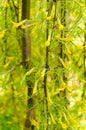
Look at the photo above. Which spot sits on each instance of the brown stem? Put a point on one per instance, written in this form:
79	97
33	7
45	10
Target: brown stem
26	56
84	61
47	58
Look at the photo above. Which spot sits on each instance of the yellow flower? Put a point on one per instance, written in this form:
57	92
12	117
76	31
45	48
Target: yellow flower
67	39
16	25
80	46
35	123
24	27
61	27
47	43
69	51
64	126
2	33
48	18
5	5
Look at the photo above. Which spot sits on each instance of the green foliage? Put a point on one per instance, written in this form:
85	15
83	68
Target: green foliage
65	76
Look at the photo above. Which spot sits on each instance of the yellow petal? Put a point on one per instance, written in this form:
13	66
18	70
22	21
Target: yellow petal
43	73
80	46
61	27
47	43
24	27
2	33
64	126
7	64
69	52
63	63
49	18
29	72
35	87
67	39
35	123
5	5
16	25
49	99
